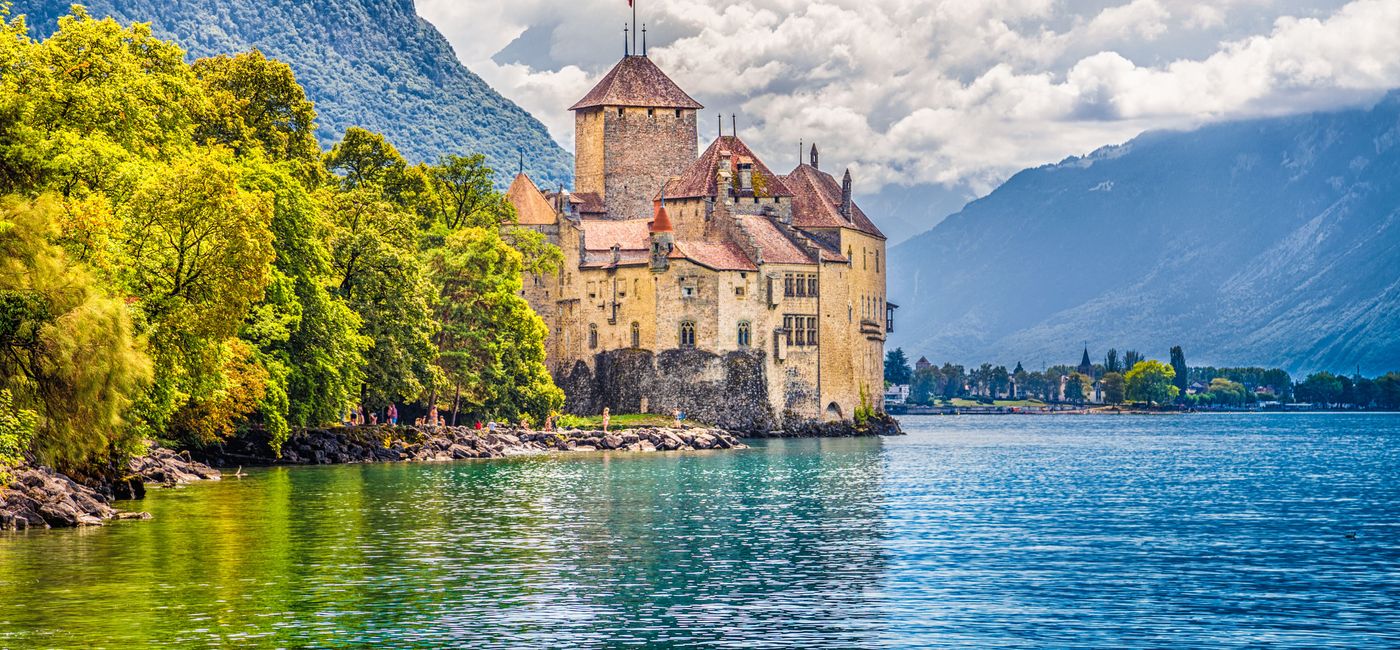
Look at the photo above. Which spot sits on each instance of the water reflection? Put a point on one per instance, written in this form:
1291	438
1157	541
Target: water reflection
779	544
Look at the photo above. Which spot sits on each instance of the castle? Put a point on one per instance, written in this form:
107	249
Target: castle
703	282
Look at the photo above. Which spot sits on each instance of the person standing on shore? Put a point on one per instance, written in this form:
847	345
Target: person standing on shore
393	415
433	417
607	419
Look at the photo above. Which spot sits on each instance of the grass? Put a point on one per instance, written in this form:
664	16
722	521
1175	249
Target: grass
618	421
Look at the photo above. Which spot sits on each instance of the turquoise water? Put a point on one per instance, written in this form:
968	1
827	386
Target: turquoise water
1220	530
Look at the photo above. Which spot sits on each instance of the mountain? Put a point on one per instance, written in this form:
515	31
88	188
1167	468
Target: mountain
1266	242
369	63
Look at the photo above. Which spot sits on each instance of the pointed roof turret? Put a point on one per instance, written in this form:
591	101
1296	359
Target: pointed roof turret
662	221
531	206
636	81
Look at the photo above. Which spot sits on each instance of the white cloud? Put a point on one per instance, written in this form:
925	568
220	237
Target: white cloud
958	92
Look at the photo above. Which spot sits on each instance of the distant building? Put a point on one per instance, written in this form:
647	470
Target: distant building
897	394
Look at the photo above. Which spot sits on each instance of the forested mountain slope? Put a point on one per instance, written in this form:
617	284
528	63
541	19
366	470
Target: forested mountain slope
369	63
1265	242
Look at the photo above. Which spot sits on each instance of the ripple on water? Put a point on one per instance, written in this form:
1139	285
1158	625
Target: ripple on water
1010	531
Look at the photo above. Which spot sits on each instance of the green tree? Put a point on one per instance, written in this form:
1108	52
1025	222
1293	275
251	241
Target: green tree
897	370
1323	388
68	350
1152	382
1183	372
1224	391
256	104
491	344
1077	387
17	427
463	194
1388	391
1114	388
1110	362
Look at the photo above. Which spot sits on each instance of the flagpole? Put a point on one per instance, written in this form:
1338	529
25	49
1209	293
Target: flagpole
634	24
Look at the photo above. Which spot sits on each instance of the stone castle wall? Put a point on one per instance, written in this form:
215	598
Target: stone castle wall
727	390
639	149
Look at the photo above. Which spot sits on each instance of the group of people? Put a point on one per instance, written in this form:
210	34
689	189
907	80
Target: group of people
355	416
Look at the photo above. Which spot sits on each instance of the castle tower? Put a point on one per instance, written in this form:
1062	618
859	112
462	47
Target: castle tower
632	132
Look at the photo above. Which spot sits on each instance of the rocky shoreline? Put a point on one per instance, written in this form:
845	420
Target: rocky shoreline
381	443
40	497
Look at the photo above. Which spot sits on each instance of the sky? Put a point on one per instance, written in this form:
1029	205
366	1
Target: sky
932	103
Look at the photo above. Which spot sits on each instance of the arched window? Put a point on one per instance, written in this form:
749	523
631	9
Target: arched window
687	334
745	334
636	335
592	336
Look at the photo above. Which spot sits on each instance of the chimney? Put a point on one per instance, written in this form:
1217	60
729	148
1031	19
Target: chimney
814	156
725	176
745	177
846	195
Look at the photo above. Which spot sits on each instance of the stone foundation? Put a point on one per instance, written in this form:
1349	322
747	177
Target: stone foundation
728	391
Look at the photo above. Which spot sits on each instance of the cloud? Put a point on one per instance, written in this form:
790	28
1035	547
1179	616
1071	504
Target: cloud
956	92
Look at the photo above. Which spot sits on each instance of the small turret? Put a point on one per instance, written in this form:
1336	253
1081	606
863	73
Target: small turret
724	180
846	195
814	156
662	238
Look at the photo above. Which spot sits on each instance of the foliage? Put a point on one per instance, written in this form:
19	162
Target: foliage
1322	388
1183	372
1115	388
897	370
864	411
68	351
178	261
1224	391
1151	381
17	427
1077	387
491	345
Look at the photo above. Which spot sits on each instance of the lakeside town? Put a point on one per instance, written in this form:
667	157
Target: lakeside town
1124	383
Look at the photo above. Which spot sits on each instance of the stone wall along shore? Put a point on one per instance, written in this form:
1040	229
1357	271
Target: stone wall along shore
382	443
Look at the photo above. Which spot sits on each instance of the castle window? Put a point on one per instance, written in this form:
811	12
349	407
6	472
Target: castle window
592	336
800	285
651	112
636	335
619	111
787	329
687	334
787	285
678	113
811	330
799	337
877	261
745	334
687	292
812	285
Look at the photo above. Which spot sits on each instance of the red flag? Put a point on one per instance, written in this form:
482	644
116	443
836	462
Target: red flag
629	3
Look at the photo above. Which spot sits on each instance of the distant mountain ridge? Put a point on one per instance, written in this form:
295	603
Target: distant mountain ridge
1264	242
369	63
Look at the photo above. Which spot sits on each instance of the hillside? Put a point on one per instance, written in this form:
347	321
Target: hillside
369	63
1272	242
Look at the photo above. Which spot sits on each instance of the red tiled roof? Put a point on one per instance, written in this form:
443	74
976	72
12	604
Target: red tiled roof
720	256
817	202
773	246
589	203
531	206
699	179
636	81
602	234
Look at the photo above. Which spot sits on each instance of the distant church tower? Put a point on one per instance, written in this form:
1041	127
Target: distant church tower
632	132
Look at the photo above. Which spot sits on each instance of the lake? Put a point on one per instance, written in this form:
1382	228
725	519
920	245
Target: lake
1050	531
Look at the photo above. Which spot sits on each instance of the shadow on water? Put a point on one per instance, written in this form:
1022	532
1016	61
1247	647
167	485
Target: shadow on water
778	544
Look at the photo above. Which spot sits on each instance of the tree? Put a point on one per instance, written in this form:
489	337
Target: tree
1131	358
463	194
1152	382
1183	373
897	370
68	350
1077	387
1114	388
256	103
491	344
1224	391
1388	391
1110	363
1323	388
